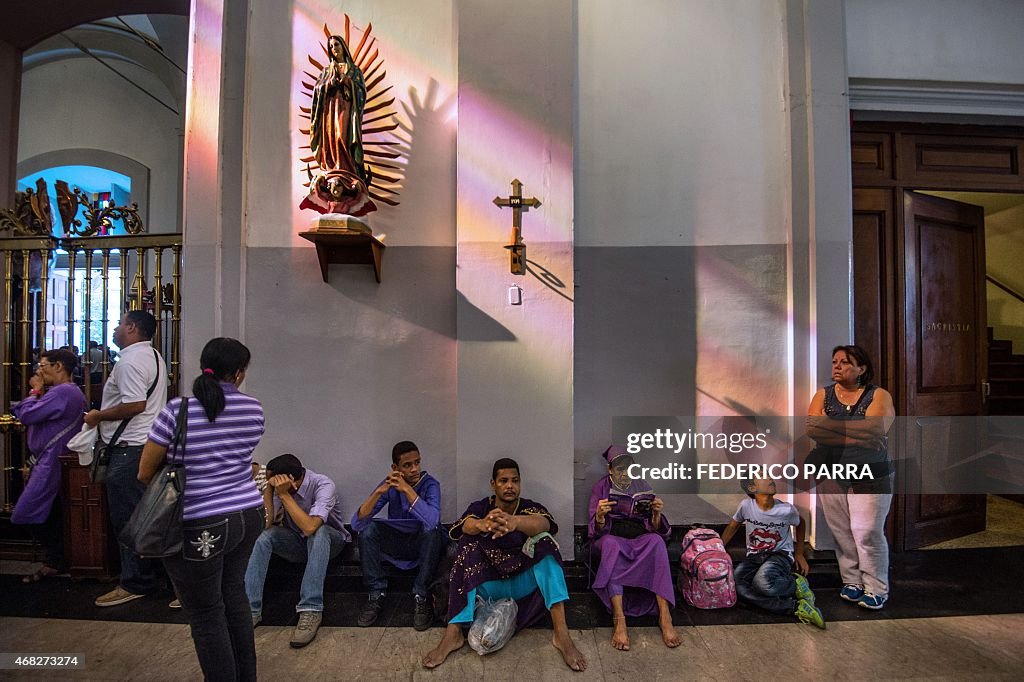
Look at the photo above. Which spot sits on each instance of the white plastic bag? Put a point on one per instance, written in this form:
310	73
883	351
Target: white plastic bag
83	443
494	623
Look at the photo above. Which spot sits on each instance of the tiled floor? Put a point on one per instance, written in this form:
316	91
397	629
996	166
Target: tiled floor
956	615
957	648
1004	527
925	584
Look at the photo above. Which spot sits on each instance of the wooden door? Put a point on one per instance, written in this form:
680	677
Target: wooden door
943	370
875	289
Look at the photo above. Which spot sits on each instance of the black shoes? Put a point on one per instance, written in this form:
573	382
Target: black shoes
423	616
371	609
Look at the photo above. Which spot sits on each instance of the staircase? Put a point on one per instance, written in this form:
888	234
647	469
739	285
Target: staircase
1006	377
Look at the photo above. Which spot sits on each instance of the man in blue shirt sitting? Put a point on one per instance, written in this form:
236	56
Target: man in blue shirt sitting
411	536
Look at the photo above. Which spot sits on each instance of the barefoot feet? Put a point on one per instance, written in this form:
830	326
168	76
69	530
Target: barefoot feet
620	636
570	654
668	633
452	640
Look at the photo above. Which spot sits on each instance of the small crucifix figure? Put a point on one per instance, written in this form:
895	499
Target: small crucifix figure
518	203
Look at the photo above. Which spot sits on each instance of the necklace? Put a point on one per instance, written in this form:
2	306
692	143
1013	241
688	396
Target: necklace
842	402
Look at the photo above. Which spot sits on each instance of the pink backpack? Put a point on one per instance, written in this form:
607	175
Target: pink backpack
705	575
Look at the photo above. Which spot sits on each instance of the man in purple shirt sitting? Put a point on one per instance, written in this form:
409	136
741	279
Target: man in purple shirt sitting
410	537
311	531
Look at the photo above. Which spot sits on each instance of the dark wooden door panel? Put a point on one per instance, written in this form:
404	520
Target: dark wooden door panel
874	281
942	517
90	548
944	345
944	255
948	261
949	162
892	157
871	155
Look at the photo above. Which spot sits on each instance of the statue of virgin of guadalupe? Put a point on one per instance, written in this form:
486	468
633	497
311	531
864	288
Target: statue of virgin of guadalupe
335	136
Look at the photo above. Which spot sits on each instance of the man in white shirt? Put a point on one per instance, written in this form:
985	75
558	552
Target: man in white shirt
136	391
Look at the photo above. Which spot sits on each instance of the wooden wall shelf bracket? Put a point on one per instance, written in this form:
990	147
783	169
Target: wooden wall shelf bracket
346	248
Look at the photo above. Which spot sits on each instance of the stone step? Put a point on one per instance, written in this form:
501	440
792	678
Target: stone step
1006	370
1006	387
1000	354
1006	405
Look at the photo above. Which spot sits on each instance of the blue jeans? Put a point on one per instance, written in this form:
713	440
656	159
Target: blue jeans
124	491
767	581
208	576
315	551
422	548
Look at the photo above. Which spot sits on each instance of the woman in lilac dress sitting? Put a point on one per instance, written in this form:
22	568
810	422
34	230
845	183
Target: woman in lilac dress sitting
629	535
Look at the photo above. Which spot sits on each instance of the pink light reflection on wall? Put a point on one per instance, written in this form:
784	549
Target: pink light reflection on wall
514	145
742	341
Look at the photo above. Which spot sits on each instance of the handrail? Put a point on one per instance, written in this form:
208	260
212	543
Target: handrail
132	241
1005	288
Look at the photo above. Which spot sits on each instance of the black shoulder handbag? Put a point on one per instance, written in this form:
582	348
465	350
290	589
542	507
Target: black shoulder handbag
154	529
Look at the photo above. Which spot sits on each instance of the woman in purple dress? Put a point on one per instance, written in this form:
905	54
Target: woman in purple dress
629	534
53	414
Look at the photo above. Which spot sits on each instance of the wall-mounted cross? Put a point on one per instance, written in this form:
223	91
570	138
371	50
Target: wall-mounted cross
518	203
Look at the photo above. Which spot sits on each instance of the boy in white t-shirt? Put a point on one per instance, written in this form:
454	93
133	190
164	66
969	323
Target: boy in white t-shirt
766	577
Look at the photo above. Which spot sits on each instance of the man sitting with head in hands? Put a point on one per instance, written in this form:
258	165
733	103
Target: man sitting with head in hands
506	551
312	532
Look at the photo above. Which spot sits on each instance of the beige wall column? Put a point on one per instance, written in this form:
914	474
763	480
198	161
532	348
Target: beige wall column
820	279
212	297
515	362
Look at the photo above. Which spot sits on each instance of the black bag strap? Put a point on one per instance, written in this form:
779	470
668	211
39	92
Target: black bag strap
124	422
180	432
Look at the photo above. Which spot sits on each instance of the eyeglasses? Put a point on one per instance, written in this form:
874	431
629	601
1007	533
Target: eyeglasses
46	364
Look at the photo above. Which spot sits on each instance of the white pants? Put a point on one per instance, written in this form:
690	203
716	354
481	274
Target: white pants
857	522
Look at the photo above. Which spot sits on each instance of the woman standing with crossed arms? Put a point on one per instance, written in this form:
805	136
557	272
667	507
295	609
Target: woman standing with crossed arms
849	420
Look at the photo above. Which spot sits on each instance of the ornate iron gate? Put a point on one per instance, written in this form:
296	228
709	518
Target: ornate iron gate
68	292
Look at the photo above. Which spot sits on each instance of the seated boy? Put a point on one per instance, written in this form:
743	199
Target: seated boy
766	577
410	537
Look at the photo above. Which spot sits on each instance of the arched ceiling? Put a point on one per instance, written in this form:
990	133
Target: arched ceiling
28	23
113	42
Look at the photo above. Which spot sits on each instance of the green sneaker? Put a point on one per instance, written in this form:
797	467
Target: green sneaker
807	613
803	589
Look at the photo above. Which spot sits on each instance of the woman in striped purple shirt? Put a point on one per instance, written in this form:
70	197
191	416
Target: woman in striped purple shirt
222	512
